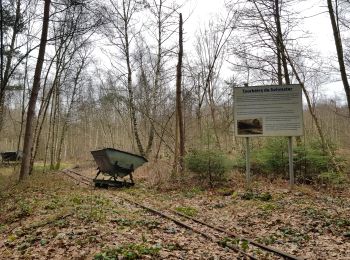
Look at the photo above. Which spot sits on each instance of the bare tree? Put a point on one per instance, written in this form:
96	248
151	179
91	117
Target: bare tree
119	33
161	29
72	32
333	9
28	136
279	46
15	22
179	126
210	49
74	91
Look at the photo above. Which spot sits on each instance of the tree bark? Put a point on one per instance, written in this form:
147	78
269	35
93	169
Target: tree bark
28	136
157	76
126	19
2	86
179	156
68	115
282	61
340	52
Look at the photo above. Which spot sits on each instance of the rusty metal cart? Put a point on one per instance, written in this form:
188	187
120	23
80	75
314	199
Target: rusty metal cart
116	164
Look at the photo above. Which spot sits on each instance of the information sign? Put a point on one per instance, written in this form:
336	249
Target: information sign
268	111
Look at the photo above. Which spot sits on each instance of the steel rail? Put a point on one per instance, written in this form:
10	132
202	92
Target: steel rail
182	224
80	175
233	235
82	180
164	215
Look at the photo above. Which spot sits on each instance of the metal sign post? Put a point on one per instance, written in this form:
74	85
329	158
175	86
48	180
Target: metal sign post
247	158
291	168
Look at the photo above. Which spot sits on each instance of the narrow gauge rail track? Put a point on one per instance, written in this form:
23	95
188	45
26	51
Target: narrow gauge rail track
80	178
196	225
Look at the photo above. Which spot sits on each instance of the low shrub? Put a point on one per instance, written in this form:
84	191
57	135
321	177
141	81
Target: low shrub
333	178
309	160
189	211
208	164
272	157
129	251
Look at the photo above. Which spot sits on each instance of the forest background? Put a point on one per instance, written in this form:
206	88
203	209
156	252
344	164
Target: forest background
110	70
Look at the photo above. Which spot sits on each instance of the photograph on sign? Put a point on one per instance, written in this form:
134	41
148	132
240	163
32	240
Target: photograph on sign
268	111
250	126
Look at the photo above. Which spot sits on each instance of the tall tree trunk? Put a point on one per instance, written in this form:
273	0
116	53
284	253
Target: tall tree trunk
157	77
340	52
129	83
2	85
23	110
150	103
280	45
282	60
210	93
48	136
180	142
68	115
39	127
28	136
55	125
42	116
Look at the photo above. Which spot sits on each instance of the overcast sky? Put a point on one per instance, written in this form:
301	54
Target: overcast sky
315	11
316	22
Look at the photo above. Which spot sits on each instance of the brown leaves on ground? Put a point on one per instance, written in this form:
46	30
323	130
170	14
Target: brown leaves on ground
50	217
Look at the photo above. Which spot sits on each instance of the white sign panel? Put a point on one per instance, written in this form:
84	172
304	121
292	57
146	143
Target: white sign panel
268	111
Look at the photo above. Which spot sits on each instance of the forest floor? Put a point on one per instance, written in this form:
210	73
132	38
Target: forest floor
49	216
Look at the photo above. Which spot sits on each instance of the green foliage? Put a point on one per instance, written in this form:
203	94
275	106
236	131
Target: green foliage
208	164
249	195
189	211
129	251
224	242
293	234
2	227
77	199
268	240
265	196
273	156
54	203
242	243
239	162
341	222
149	224
268	207
309	160
91	208
333	178
191	193
24	209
